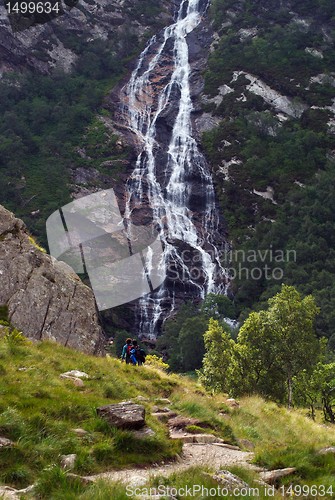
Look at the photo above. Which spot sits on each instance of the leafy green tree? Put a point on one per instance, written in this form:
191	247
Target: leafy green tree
306	391
216	306
191	343
217	362
167	344
256	368
318	389
281	341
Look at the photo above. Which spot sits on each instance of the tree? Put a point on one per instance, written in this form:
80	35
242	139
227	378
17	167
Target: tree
217	362
281	342
168	343
318	388
191	343
256	368
218	306
306	391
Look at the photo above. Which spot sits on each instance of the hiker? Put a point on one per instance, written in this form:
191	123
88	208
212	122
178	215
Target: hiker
137	355
126	351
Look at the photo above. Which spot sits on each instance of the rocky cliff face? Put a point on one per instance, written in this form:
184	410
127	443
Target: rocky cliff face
45	298
57	44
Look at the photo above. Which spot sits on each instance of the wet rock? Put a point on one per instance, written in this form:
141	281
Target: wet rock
125	415
45	298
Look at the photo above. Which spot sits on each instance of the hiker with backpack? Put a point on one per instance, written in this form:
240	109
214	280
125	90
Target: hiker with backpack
137	355
125	356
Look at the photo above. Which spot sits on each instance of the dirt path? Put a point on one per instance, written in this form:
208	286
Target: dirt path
215	456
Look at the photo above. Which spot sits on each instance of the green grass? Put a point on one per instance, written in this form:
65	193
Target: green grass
284	438
39	410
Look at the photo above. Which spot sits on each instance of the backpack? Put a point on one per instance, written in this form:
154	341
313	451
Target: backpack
142	355
129	348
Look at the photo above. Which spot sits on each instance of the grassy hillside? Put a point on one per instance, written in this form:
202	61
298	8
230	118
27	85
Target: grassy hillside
39	412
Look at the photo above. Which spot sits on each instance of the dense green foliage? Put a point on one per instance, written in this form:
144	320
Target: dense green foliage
46	119
182	342
316	389
272	347
292	155
41	121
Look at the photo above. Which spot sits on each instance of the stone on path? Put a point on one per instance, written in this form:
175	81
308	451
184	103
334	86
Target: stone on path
271	476
125	415
229	480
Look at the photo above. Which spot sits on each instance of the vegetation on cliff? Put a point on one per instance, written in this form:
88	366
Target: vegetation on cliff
270	81
47	119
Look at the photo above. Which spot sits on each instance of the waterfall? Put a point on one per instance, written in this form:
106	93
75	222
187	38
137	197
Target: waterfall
171	177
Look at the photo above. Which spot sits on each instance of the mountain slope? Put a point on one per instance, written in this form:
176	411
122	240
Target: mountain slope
270	85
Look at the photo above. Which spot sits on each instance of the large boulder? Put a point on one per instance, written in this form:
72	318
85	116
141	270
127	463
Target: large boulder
125	415
45	298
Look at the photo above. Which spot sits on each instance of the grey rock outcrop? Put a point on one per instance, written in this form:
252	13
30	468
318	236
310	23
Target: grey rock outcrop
45	47
125	415
45	298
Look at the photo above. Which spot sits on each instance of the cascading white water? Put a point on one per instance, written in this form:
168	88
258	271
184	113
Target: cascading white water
160	82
